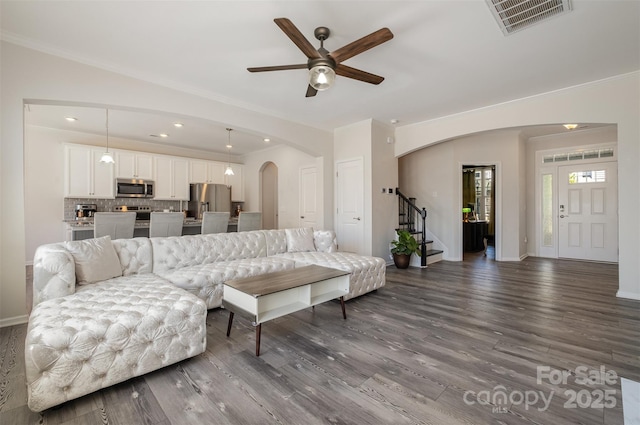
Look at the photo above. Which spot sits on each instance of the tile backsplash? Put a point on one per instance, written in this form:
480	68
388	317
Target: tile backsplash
109	204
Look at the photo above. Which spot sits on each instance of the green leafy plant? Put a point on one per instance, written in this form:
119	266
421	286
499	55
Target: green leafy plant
406	244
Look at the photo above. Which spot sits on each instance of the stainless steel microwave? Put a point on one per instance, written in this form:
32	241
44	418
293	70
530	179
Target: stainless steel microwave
133	188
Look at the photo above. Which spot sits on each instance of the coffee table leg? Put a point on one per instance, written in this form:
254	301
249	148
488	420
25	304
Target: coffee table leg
258	330
344	312
230	322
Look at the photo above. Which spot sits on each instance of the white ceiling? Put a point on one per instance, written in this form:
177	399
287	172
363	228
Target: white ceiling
446	57
195	133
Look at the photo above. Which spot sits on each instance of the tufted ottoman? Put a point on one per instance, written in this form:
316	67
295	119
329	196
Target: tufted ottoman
106	333
367	273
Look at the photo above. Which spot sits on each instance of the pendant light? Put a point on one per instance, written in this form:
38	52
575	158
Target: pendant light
229	170
106	157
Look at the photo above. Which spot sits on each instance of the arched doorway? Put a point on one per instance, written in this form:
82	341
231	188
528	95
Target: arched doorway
269	195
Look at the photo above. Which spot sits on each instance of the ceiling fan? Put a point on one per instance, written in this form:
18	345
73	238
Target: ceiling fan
324	65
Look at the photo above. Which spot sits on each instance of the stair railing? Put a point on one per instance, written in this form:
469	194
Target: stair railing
413	219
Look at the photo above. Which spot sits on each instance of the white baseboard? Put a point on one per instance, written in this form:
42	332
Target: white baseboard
10	321
628	295
511	259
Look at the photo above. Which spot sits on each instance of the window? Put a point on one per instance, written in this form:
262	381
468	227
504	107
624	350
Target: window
578	155
547	209
578	177
483	182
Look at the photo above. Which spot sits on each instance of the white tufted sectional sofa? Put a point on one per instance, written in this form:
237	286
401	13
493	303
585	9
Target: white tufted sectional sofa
84	336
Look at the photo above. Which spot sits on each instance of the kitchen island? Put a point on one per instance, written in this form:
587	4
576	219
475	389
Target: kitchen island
79	230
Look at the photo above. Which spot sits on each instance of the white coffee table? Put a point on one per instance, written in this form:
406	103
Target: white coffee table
273	295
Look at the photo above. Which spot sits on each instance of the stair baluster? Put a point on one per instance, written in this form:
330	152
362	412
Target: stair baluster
413	219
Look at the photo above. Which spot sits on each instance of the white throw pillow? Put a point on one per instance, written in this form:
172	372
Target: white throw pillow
300	240
325	241
96	260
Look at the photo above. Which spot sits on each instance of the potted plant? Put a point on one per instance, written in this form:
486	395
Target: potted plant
403	247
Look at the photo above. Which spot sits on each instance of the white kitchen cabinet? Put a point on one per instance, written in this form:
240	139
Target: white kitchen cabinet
206	172
171	175
85	176
134	165
236	182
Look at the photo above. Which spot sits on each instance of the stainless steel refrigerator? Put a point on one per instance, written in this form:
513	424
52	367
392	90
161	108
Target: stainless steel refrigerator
208	197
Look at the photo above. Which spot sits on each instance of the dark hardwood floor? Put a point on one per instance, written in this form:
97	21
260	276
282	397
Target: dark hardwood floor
431	347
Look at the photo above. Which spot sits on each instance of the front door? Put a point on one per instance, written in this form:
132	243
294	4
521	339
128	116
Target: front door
588	211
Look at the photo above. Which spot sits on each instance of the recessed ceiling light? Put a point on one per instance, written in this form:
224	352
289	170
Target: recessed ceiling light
570	126
71	119
178	124
395	121
229	146
266	140
163	135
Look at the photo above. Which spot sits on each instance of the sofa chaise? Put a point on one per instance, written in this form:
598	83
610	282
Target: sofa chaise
108	310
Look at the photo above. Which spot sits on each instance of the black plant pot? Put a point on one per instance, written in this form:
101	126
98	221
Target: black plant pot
401	260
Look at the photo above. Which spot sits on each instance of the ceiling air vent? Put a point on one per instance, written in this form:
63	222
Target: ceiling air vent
515	15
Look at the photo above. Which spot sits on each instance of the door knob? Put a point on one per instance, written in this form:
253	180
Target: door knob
563	216
301	216
356	218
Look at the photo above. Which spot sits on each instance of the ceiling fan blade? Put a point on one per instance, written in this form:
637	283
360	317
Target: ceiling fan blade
357	74
296	36
277	68
311	91
362	45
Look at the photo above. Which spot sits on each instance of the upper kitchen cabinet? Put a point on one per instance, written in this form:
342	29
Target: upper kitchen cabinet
206	172
85	176
134	165
171	175
236	182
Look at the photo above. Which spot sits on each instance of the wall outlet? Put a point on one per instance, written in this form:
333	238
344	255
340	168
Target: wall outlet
384	190
391	190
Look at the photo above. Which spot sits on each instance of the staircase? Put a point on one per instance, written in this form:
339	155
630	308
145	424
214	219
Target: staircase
414	219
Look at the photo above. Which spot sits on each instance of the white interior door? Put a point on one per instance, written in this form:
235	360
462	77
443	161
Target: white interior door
588	211
308	197
350	205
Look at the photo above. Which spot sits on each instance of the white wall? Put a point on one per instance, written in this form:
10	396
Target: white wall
384	174
289	161
522	197
614	101
44	185
28	75
434	177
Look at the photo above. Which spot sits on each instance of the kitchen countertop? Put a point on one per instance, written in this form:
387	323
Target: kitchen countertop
88	224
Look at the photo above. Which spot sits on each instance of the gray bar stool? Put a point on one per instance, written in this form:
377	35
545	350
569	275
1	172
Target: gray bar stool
118	225
214	222
249	221
166	224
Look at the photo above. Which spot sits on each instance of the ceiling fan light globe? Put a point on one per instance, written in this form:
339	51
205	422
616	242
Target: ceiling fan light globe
321	77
